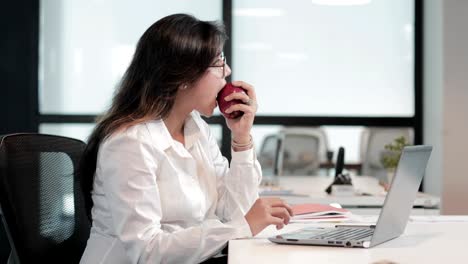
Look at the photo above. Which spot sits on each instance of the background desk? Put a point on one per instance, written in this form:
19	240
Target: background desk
311	189
422	242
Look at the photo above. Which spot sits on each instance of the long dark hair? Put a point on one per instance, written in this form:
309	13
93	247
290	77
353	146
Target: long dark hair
173	52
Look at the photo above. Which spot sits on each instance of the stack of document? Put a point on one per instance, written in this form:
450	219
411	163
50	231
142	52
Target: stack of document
319	213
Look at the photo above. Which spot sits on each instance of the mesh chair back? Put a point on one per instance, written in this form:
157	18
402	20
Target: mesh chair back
319	132
300	154
41	197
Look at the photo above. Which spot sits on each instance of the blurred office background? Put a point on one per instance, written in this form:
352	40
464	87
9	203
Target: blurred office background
344	69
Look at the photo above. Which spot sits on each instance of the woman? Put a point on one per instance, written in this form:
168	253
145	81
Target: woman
159	188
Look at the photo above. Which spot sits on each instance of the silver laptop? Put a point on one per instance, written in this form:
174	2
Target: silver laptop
393	217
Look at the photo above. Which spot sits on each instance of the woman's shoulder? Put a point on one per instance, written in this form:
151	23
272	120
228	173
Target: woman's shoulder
132	145
137	134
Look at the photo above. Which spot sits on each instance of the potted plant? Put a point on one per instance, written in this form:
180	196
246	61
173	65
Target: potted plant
390	157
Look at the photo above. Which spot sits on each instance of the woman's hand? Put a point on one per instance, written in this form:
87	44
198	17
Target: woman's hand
240	127
268	211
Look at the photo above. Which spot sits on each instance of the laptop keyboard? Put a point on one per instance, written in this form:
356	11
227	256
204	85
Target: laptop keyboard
344	234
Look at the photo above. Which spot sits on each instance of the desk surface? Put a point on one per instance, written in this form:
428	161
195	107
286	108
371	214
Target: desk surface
310	189
424	241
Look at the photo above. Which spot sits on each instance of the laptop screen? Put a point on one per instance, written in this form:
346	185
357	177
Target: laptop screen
403	190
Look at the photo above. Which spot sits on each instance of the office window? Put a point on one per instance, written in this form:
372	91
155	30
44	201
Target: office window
307	61
311	59
85	47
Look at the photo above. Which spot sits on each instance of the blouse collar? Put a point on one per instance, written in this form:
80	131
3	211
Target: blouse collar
163	139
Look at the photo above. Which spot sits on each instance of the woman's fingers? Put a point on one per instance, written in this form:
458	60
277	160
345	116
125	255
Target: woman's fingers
279	208
276	201
283	204
246	99
277	221
248	87
268	211
241	107
239	96
244	85
282	213
249	102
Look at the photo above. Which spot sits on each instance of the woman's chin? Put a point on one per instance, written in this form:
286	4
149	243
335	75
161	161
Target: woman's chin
207	113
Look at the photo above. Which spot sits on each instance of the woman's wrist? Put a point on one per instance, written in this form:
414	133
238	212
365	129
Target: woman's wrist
242	140
243	145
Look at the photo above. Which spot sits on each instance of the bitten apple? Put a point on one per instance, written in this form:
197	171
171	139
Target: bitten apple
224	105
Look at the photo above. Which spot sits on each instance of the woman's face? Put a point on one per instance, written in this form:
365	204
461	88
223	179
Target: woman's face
207	88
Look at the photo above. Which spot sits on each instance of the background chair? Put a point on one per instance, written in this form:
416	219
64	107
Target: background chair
319	132
372	147
41	198
267	154
302	150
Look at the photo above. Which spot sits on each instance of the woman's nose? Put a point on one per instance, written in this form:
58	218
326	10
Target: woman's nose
227	70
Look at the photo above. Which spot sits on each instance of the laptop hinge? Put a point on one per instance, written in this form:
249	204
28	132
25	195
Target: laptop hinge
356	226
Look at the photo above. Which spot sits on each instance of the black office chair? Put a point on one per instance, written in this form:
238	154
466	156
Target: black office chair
41	198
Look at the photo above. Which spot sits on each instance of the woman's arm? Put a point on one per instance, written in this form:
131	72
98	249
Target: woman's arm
238	183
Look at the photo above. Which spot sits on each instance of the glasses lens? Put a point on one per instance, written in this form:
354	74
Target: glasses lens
223	66
223	58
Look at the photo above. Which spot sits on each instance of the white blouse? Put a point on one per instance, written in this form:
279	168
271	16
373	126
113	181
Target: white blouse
158	201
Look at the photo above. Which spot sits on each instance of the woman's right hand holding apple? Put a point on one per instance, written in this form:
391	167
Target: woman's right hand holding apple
268	211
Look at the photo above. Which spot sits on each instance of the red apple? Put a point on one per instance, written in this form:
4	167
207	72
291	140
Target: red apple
224	105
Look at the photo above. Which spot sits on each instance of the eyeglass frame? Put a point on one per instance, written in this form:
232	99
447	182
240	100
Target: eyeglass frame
223	58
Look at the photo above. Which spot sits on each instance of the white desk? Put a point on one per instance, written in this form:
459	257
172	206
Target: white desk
311	189
423	242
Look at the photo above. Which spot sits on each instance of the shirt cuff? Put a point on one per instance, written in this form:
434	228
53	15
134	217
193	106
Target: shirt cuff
244	229
243	156
241	224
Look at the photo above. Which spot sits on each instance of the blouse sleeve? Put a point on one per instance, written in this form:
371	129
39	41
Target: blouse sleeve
129	170
238	184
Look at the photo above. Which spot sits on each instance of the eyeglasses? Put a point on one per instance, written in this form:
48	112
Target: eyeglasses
223	59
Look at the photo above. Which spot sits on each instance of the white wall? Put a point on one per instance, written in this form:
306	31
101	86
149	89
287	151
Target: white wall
446	102
433	128
455	83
